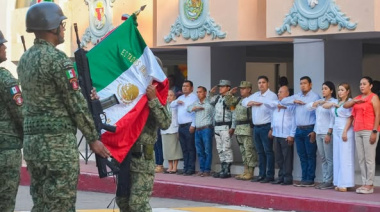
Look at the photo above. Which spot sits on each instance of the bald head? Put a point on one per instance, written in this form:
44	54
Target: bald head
283	92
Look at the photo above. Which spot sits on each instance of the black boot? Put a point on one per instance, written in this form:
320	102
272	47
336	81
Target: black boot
227	172
218	174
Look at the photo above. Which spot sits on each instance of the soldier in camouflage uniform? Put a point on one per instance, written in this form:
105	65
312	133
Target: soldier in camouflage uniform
53	109
224	127
243	130
10	134
142	165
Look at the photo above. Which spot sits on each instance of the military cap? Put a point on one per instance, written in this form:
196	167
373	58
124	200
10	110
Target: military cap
224	83
44	16
245	84
2	39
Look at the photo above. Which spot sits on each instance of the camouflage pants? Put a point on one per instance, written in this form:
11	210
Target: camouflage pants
10	164
142	179
247	150
223	145
53	185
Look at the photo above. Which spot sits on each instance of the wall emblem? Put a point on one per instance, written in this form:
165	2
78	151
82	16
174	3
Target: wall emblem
315	14
100	21
194	22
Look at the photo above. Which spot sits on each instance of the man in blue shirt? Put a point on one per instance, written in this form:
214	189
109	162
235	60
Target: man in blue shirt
304	136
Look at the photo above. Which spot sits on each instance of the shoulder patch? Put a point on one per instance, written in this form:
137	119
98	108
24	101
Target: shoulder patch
73	79
16	93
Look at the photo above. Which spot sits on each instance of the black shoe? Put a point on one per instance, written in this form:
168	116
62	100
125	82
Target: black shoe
267	180
189	173
278	181
287	183
257	179
181	172
216	175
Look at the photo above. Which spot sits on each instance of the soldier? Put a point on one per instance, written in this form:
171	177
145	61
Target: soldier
53	109
10	134
224	127
243	129
136	199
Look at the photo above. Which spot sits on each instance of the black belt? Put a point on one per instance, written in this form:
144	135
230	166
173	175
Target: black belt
306	126
243	122
223	123
204	127
262	125
185	125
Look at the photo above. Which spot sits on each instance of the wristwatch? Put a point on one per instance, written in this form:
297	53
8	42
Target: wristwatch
374	131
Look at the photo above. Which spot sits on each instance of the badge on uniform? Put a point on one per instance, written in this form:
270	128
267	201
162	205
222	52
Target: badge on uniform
16	93
72	77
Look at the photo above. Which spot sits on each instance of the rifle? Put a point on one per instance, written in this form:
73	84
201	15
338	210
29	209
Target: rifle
95	106
23	42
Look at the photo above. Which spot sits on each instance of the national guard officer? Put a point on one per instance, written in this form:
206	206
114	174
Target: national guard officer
224	127
10	134
53	109
243	130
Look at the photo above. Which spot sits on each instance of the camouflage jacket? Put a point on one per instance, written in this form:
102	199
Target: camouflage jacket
159	117
53	102
223	113
241	114
10	112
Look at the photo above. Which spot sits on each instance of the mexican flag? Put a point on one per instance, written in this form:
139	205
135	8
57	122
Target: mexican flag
122	64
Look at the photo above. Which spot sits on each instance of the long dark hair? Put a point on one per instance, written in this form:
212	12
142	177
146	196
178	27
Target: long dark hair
331	86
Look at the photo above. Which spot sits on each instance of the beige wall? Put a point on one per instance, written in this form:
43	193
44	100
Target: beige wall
362	12
242	20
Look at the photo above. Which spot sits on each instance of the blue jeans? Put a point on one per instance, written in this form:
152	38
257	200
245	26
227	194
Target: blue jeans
307	153
264	148
187	142
203	144
159	155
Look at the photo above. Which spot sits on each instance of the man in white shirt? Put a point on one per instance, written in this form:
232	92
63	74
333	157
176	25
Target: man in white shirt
186	130
261	118
283	130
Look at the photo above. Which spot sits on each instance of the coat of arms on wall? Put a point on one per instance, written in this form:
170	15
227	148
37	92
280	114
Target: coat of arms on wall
100	21
314	15
194	22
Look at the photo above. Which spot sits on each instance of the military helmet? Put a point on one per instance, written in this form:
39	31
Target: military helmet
44	16
2	39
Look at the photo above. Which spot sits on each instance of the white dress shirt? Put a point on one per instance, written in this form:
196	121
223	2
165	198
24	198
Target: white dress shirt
174	124
184	116
324	118
283	122
261	114
304	116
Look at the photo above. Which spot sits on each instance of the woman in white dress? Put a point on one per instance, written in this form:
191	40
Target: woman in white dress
343	141
170	143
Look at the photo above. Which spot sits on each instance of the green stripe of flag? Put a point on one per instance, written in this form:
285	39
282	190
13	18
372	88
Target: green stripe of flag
115	54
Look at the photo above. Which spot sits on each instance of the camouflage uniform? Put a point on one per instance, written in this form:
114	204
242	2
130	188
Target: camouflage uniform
10	139
243	130
54	108
142	163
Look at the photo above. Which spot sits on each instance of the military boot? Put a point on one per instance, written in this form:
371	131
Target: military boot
217	174
238	177
249	174
227	172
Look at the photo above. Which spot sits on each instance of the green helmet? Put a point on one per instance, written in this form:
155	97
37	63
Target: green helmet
44	16
2	39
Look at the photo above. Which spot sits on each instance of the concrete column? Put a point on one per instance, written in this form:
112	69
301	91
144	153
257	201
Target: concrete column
199	66
309	60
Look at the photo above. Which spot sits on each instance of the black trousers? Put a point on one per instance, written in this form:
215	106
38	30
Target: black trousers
284	159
